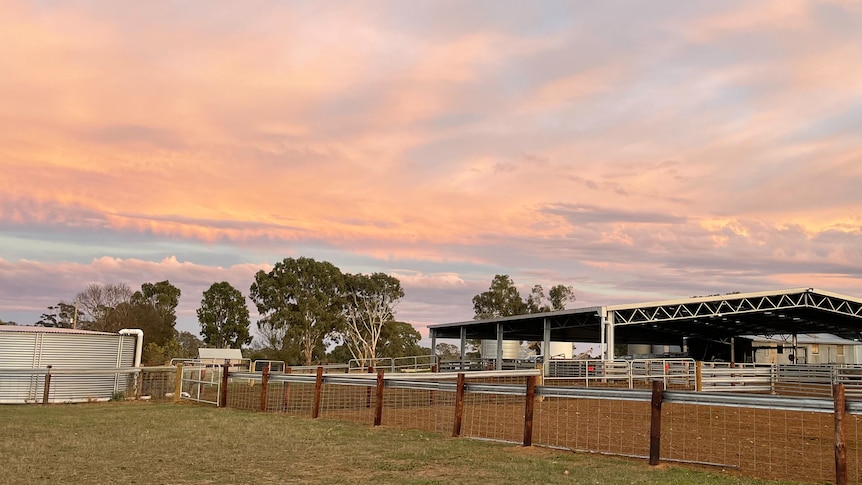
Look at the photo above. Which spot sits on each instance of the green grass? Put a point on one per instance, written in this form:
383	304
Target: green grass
173	443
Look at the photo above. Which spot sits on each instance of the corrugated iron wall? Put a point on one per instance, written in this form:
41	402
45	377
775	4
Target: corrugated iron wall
37	350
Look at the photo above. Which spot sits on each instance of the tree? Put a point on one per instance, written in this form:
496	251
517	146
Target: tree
61	315
399	339
153	310
370	306
98	303
448	351
300	301
559	296
501	300
223	316
7	323
189	345
155	354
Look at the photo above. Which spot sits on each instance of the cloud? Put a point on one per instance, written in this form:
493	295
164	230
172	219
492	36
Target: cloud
634	151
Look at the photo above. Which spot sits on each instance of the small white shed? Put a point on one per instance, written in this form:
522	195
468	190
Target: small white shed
219	356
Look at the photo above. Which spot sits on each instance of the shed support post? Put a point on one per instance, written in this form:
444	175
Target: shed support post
610	338
546	338
463	352
433	336
499	363
733	351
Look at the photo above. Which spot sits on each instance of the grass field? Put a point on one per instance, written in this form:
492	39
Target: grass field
151	443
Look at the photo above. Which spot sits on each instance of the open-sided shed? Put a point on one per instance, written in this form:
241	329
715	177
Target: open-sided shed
687	322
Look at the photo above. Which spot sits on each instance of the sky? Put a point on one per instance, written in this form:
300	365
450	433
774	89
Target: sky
635	151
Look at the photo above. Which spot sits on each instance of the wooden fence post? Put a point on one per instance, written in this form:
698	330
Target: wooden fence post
655	423
840	435
284	405
225	374
178	385
698	376
378	406
459	405
46	388
318	386
528	410
264	386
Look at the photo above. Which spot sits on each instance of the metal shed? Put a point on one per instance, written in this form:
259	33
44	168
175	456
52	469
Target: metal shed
685	321
77	356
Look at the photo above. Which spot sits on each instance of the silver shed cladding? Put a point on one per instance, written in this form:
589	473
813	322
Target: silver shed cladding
76	358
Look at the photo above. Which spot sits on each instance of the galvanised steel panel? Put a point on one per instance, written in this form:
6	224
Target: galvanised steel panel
18	350
127	342
65	351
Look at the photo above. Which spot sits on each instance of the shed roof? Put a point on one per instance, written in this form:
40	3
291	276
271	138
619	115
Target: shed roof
797	310
232	354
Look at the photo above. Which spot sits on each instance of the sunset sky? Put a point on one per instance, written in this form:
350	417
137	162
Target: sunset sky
633	150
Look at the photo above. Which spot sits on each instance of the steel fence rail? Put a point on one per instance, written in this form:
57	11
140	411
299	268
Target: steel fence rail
594	393
783	403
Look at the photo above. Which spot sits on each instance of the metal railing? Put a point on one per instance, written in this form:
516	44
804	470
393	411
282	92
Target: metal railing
413	363
721	377
676	373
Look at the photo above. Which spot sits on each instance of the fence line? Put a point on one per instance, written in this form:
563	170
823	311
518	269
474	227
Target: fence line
784	437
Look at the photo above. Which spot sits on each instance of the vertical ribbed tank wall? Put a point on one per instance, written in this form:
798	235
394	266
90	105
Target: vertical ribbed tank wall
511	349
559	350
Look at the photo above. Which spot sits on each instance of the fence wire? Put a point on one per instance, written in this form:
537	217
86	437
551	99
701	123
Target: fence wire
854	448
349	403
595	425
158	383
780	442
419	409
767	443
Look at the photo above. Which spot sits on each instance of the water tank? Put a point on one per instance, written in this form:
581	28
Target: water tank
558	350
511	349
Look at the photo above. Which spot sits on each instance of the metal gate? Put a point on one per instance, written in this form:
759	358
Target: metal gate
201	383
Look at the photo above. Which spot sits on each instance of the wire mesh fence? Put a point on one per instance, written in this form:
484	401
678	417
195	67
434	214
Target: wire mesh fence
157	383
619	427
787	438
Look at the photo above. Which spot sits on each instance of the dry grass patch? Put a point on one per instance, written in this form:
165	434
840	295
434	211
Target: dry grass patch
169	443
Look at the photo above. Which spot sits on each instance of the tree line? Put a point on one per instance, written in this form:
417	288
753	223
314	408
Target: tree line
310	312
306	307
